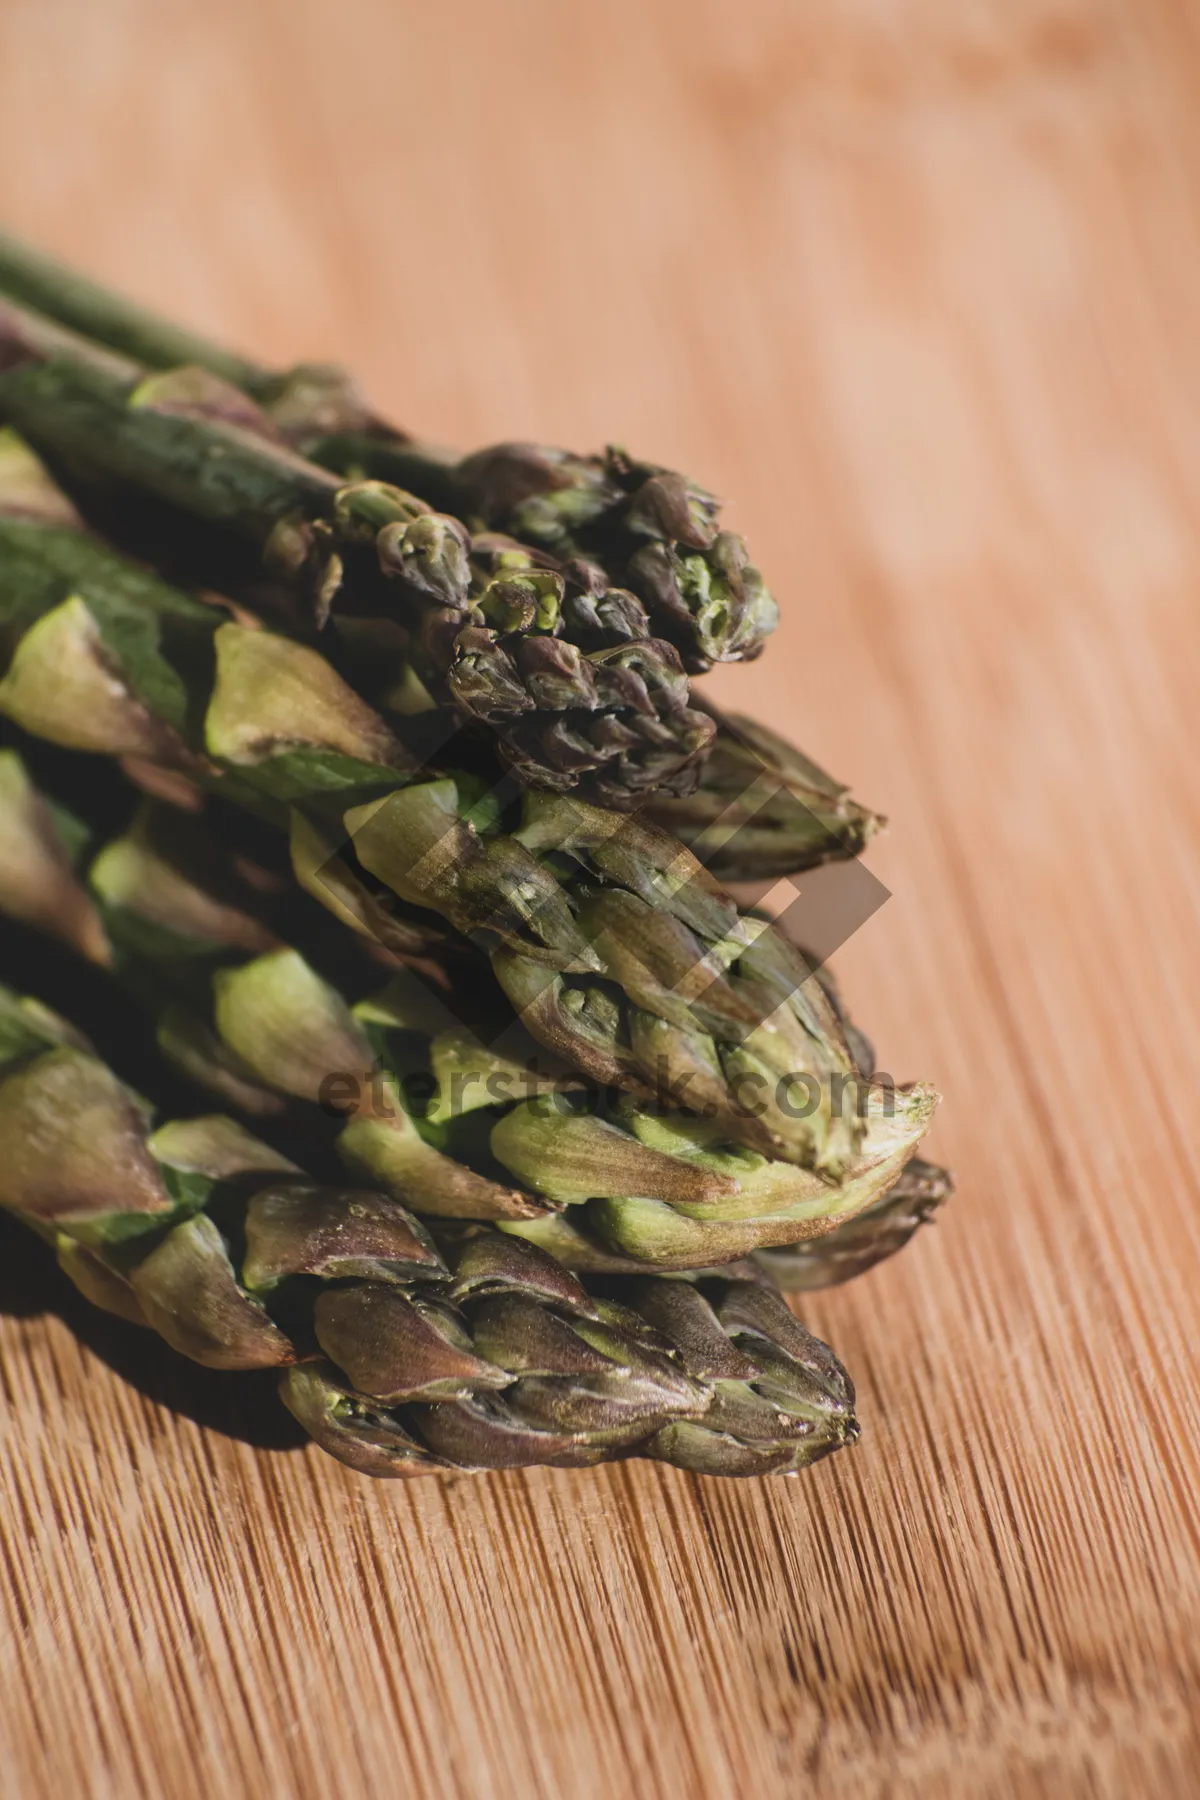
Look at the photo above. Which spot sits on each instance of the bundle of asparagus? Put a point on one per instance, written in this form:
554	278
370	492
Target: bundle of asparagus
585	1066
398	1360
552	654
619	951
429	1106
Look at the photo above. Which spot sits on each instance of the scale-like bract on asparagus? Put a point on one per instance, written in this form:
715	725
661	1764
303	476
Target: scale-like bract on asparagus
870	1237
617	949
609	518
395	1359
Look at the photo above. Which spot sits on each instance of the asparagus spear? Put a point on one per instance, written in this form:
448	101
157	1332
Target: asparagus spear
762	809
252	1019
38	883
47	286
622	523
572	686
852	1248
395	1360
618	951
874	1234
611	516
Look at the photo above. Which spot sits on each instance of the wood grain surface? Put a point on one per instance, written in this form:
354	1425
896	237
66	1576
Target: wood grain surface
916	283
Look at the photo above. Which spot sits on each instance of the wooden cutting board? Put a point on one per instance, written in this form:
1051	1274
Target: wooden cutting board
917	285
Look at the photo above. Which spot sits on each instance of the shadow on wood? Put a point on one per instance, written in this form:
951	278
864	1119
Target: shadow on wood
243	1406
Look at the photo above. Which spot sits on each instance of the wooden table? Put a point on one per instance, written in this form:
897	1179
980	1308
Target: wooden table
917	285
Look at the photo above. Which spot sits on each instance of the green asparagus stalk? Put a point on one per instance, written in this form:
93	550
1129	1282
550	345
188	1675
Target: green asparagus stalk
851	1249
168	908
47	286
252	1019
618	951
39	843
483	627
619	522
873	1235
395	1360
762	809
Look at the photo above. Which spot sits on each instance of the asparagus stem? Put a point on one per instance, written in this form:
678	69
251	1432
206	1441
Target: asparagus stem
40	283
